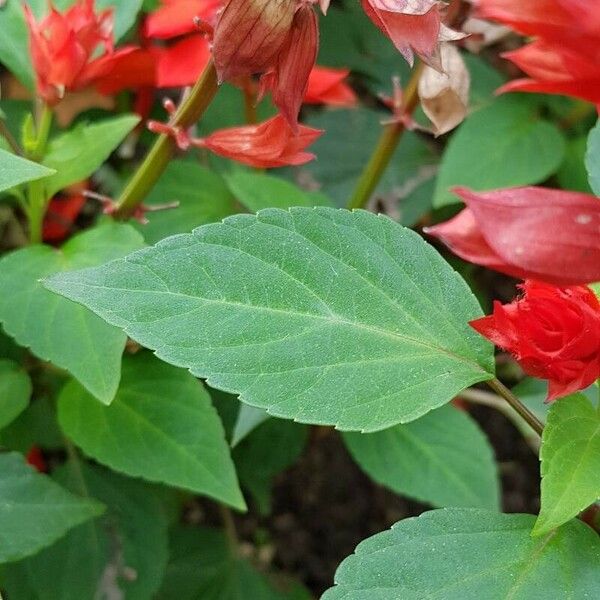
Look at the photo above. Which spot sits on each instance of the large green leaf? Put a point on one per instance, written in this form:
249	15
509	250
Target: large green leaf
55	329
204	567
443	459
123	554
15	170
346	146
502	145
321	315
471	554
247	420
203	198
35	511
15	390
161	426
592	159
77	153
257	191
570	458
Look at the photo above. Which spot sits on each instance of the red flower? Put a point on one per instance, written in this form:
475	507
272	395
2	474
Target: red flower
327	86
564	58
275	38
62	47
266	145
182	63
414	26
528	232
60	216
553	333
176	17
36	459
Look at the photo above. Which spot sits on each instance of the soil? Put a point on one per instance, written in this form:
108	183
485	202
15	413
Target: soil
324	505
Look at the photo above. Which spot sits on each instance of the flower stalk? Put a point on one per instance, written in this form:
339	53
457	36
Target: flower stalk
157	159
388	142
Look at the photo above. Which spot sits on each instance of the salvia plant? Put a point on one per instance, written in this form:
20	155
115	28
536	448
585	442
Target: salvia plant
334	379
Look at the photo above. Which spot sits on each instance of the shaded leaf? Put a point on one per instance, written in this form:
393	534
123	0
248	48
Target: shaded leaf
55	329
161	426
15	390
15	170
320	315
443	458
592	159
35	511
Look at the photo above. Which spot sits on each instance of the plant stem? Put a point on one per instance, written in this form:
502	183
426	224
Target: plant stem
160	154
36	192
503	391
388	142
229	526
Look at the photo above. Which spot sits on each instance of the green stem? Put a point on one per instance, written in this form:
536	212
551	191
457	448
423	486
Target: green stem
230	530
527	415
36	192
388	142
160	154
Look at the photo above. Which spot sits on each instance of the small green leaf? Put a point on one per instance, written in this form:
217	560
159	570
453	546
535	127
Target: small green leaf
202	195
471	554
15	170
203	567
273	447
573	174
125	14
319	315
257	191
161	426
35	511
443	459
502	145
77	154
122	554
570	458
592	159
15	390
248	419
55	329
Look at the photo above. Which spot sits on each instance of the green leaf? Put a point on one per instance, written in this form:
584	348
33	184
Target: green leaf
15	170
592	159
319	315
126	550
55	329
248	419
161	426
78	153
573	174
502	145
203	567
273	447
35	511
464	553
257	191
346	146
15	390
203	198
14	42
443	459
570	459
125	14
485	80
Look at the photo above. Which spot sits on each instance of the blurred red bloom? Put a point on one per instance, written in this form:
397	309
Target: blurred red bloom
553	333
274	38
327	86
60	216
182	63
270	144
565	55
36	459
529	233
63	47
414	27
176	17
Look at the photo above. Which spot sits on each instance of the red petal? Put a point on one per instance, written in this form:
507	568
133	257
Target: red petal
327	86
176	17
60	217
182	63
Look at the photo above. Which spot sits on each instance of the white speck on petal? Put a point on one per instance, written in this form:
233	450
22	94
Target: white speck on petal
583	219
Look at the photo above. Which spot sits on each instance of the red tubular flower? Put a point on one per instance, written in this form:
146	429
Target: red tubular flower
414	27
266	145
182	63
564	58
275	38
528	232
327	86
553	333
62	46
60	216
36	459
